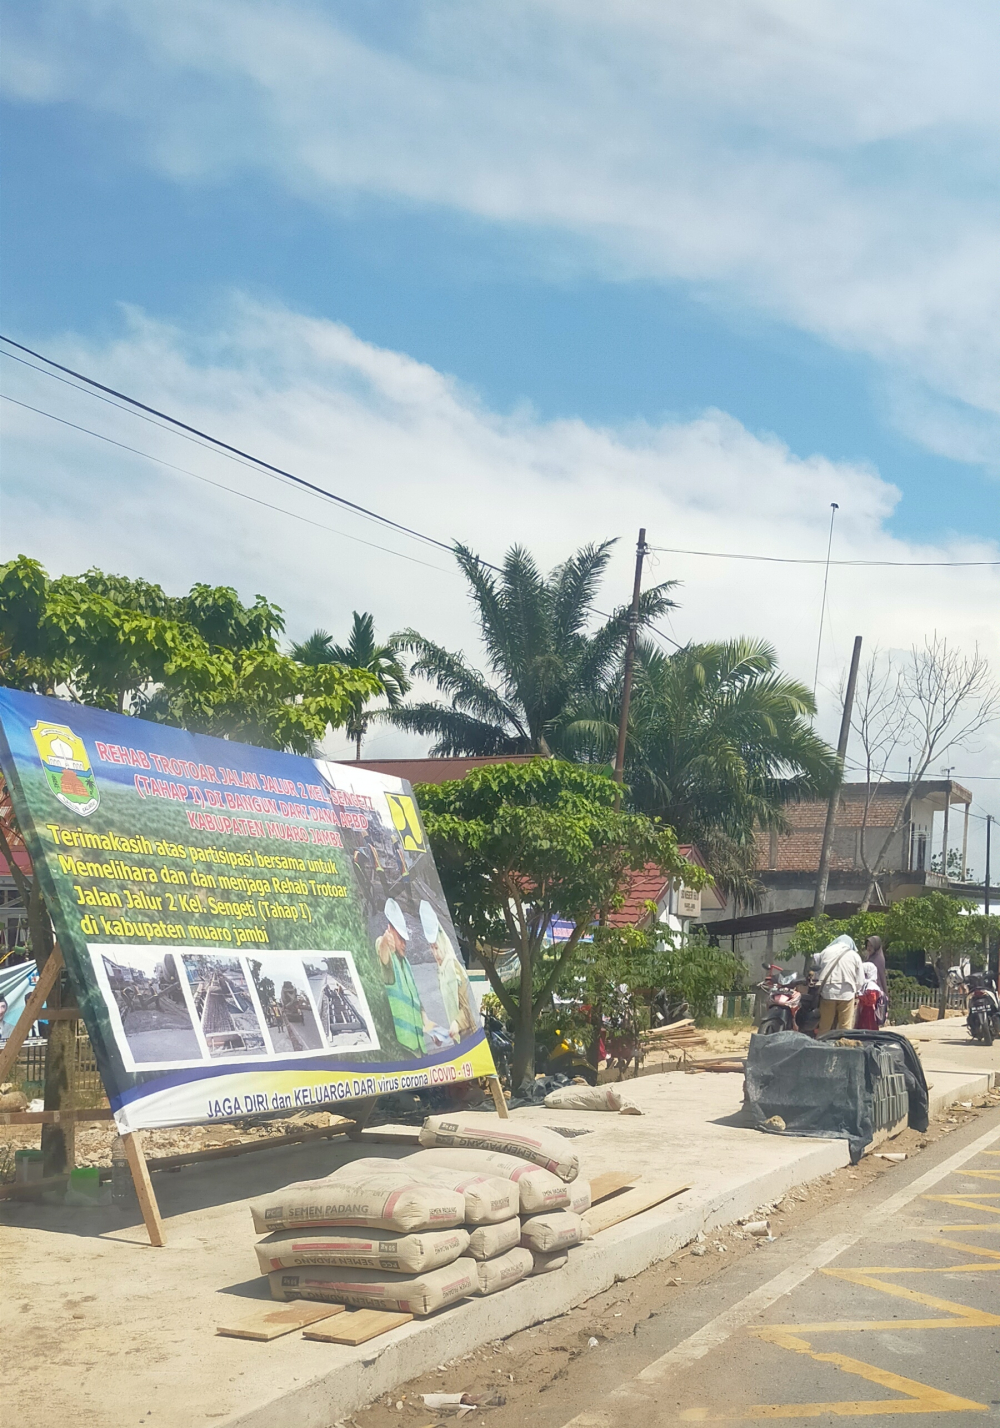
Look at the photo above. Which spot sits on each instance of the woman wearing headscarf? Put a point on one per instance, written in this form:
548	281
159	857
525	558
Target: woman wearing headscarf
875	955
872	1001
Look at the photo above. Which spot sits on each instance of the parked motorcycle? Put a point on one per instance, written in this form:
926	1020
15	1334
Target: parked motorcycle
500	1044
566	1057
792	1002
983	1019
665	1009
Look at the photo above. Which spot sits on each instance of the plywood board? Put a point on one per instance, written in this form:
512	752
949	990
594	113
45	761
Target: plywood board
272	1320
359	1327
631	1202
601	1186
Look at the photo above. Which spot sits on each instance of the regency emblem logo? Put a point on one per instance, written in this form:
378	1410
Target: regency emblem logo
67	767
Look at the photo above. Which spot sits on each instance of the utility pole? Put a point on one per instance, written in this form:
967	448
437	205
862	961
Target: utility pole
947	811
823	872
633	626
986	895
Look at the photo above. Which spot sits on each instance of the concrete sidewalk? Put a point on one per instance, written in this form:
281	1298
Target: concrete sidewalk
124	1334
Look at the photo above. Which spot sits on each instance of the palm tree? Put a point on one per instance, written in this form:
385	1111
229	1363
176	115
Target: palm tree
719	742
360	652
543	662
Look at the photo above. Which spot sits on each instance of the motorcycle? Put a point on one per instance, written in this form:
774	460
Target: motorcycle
500	1044
983	1019
793	1002
667	1008
566	1057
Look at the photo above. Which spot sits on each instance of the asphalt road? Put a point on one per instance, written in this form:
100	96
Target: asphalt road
884	1308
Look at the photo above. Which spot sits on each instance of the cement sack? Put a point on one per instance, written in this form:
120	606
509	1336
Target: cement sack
496	1274
488	1241
580	1199
488	1199
538	1189
558	1230
387	1200
373	1289
361	1249
546	1263
591	1098
541	1146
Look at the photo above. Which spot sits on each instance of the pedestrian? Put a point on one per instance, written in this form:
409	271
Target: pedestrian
874	953
873	1004
840	979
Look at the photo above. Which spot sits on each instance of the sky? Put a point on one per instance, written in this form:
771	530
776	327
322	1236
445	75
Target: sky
541	273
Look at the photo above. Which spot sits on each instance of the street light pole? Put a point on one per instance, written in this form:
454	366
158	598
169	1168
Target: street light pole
823	871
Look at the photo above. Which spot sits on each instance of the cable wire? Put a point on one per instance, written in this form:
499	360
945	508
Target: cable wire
219	485
803	560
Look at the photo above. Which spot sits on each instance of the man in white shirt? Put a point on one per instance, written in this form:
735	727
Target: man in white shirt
838	971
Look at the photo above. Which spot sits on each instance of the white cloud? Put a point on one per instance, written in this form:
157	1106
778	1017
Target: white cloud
397	436
827	163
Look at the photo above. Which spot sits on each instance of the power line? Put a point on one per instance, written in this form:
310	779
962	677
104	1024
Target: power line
251	462
229	448
219	485
802	560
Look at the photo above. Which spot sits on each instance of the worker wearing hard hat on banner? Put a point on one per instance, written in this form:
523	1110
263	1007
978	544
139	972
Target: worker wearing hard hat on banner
408	1015
459	1014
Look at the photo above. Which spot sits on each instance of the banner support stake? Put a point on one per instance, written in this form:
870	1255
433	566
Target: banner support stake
144	1188
499	1099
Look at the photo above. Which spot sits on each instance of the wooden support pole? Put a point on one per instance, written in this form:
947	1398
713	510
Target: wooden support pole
499	1099
144	1188
32	1008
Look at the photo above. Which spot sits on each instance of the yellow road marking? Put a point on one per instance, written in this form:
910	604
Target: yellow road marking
918	1397
961	1314
981	1174
969	1202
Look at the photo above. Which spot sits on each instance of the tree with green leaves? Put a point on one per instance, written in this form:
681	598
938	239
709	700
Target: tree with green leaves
361	652
719	742
203	660
518	845
544	661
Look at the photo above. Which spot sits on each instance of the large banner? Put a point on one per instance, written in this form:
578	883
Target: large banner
246	931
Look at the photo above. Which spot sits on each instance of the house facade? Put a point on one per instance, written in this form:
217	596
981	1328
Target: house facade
787	863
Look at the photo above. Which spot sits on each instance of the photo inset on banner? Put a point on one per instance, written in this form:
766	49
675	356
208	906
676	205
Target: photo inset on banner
146	986
344	1018
283	993
223	1005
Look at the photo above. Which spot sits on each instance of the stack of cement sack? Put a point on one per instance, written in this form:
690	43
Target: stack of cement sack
545	1172
420	1233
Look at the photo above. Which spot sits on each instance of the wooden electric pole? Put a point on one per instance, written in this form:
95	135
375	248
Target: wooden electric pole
823	872
633	627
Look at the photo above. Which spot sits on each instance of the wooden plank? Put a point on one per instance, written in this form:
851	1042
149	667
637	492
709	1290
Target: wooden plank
144	1189
227	1152
59	1014
601	1186
631	1202
52	1118
46	981
272	1320
358	1327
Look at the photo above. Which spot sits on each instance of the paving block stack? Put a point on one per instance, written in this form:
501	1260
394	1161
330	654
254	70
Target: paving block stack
480	1207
